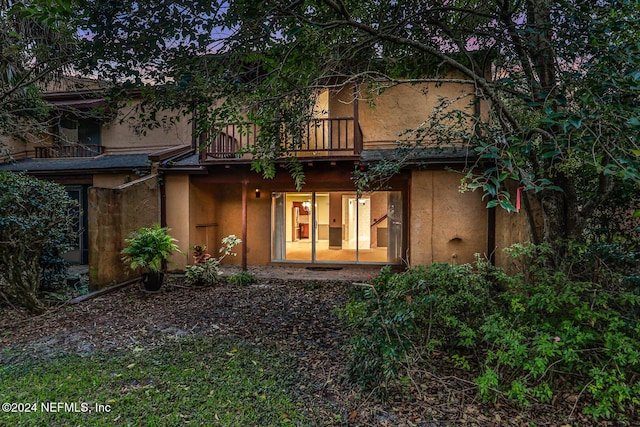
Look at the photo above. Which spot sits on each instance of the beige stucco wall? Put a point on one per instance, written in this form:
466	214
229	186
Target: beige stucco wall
17	149
177	197
120	138
513	227
397	108
203	219
113	214
112	180
215	211
445	225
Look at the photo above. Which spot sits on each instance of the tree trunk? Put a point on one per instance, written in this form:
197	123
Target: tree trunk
560	217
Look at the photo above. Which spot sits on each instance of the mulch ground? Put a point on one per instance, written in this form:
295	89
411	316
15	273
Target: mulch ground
294	317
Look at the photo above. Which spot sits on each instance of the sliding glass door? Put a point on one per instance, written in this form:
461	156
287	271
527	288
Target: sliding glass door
337	227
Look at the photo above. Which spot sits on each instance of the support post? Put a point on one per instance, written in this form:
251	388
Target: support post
244	225
357	133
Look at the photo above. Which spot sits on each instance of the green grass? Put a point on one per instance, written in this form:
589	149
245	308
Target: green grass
186	382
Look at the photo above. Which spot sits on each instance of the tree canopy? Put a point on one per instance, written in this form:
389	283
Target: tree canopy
560	78
37	45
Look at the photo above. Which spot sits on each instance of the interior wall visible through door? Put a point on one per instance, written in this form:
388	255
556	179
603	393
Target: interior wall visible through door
337	227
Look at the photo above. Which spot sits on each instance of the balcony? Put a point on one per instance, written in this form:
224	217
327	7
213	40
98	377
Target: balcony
323	137
67	151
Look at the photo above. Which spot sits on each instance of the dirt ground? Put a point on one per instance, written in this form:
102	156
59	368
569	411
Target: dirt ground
293	310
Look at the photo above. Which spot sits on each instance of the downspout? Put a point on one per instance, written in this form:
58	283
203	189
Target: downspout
163	200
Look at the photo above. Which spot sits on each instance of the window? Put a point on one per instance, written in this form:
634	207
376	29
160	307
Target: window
78	131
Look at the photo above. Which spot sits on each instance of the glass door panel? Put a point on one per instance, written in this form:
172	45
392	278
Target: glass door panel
298	228
278	223
332	226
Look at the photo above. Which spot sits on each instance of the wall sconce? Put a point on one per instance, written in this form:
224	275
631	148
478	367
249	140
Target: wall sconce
257	193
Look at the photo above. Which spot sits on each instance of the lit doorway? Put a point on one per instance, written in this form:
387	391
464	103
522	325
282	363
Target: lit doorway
337	227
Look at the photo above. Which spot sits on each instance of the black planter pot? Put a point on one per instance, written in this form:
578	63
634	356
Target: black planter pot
153	281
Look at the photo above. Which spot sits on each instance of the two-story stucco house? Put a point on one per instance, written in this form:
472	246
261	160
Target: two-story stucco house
203	188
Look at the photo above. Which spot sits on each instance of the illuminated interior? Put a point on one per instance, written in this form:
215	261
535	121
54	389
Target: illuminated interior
337	227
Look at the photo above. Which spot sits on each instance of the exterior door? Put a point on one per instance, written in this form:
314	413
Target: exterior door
337	227
80	253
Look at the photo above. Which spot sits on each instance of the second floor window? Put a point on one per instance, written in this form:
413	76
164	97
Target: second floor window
78	130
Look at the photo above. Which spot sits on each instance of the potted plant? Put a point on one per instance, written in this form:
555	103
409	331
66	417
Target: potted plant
148	249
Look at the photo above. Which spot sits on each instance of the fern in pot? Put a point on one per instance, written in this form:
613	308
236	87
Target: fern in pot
147	249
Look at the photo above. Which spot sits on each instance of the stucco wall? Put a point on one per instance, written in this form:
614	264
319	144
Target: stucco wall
396	109
215	211
445	225
512	227
177	197
15	148
120	138
112	180
113	214
203	226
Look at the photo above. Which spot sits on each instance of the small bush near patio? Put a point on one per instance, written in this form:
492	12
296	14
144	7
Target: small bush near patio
186	382
206	270
243	278
526	337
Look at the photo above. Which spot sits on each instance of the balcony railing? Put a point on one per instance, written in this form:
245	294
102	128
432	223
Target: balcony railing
64	151
320	137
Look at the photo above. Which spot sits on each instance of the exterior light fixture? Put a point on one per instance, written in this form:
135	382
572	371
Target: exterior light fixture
257	193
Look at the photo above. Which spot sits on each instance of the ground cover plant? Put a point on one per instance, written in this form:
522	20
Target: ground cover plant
276	345
525	337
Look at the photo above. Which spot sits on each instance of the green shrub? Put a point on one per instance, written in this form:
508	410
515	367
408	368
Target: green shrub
206	270
243	278
397	318
203	273
35	221
54	269
523	336
148	248
555	328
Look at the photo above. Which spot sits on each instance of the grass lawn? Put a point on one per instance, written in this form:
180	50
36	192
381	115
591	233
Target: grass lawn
204	381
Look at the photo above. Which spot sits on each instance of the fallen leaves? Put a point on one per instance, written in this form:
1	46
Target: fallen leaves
292	317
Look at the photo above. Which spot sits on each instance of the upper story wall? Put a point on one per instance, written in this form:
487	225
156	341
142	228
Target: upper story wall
122	137
12	147
117	135
384	115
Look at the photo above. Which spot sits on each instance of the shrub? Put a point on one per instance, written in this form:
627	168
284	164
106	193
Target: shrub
397	318
557	325
203	273
35	220
206	270
54	269
243	278
543	331
148	248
